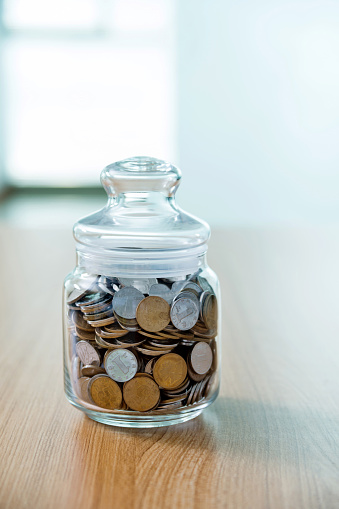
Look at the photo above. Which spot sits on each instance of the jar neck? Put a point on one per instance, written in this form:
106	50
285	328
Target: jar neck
140	263
144	204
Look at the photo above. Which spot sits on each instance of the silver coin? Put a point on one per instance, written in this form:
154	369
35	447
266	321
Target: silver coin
162	291
204	284
91	299
105	284
172	279
76	371
201	357
178	286
202	299
185	312
192	287
121	365
81	286
143	285
88	354
126	300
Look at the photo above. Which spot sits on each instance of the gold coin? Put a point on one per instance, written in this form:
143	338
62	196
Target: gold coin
170	371
141	393
153	314
105	392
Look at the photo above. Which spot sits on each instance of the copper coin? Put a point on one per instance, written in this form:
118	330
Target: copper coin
87	354
153	314
149	366
104	392
98	307
87	335
210	311
104	321
170	371
82	388
106	343
141	394
107	313
80	321
201	358
90	370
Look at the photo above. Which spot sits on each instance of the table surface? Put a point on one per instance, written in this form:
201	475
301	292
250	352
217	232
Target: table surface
269	441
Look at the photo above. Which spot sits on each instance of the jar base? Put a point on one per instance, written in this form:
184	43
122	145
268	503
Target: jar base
128	422
146	420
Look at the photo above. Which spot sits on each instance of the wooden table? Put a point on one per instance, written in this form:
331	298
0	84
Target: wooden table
270	440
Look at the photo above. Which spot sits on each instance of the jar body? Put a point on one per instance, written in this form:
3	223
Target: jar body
141	351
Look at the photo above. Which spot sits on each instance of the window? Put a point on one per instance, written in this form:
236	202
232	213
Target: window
85	83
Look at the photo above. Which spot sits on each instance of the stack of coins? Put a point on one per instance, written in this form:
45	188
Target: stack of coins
144	345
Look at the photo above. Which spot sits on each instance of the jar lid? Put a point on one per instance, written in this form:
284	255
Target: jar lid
141	214
141	229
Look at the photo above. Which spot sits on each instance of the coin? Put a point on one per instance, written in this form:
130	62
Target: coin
105	285
185	312
102	322
153	314
210	311
91	370
106	313
79	320
82	388
178	286
170	371
193	375
105	392
114	317
81	287
201	358
114	333
204	284
141	394
87	354
75	295
120	364
191	395
98	306
192	287
125	302
84	334
149	366
143	285
91	299
162	291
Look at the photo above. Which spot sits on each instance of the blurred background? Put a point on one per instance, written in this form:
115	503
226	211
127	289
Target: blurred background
243	96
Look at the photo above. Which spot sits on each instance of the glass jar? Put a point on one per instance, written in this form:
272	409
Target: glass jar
141	320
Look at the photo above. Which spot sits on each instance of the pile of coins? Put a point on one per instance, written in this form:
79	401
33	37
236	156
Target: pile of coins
142	344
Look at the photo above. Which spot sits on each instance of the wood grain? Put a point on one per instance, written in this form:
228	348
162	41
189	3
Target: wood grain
270	440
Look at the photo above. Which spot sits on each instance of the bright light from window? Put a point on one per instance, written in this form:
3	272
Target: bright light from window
74	105
50	14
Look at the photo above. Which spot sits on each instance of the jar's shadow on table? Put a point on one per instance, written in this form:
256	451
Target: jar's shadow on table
230	427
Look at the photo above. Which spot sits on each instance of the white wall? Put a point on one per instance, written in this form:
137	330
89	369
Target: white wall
258	111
